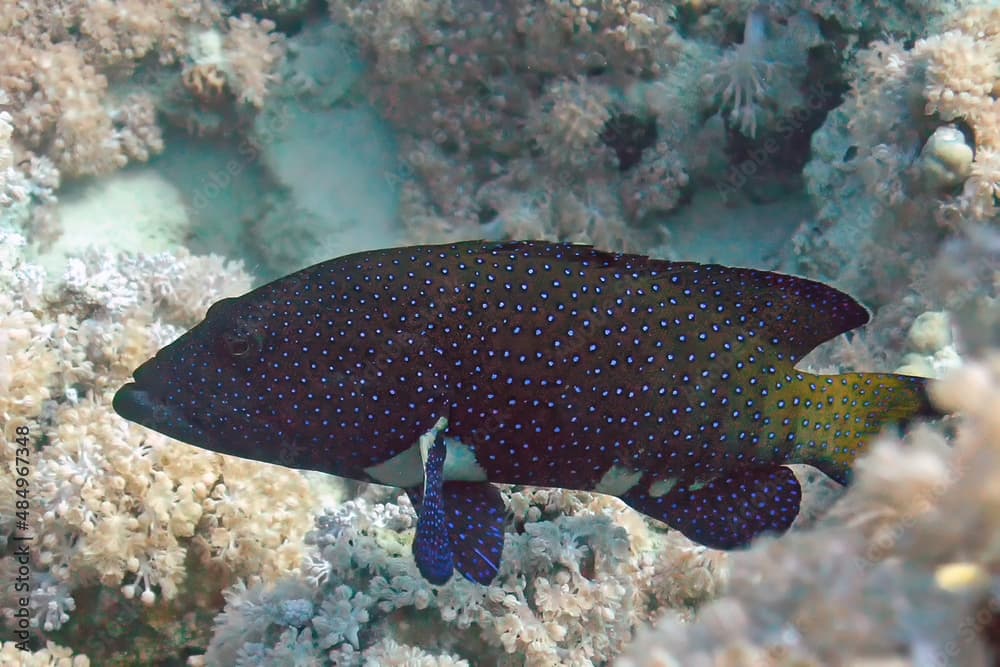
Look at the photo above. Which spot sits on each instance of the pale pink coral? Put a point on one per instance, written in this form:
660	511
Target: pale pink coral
253	53
567	123
60	108
112	503
8	188
65	117
955	75
122	32
52	655
63	57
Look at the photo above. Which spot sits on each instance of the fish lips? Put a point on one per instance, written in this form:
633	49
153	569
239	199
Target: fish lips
142	406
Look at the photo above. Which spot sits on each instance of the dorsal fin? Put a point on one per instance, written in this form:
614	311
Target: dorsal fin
790	313
787	313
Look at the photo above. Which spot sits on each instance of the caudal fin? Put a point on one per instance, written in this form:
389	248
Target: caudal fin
837	426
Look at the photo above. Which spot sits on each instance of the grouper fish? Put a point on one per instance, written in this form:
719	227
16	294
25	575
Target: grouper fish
444	369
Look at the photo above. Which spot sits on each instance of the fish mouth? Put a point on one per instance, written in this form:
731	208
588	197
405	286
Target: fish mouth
143	407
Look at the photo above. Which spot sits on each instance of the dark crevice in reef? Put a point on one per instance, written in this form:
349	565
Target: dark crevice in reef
628	136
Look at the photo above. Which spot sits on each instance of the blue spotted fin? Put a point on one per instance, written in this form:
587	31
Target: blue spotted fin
459	524
726	512
432	543
839	416
474	514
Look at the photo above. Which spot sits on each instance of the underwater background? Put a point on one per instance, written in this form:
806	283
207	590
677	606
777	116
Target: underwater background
158	155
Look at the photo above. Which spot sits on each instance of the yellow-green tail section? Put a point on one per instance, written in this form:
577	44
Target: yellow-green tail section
836	417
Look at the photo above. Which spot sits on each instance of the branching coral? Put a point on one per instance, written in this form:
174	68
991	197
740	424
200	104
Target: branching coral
113	504
8	190
630	35
123	32
510	129
254	53
27	362
656	184
911	155
64	117
52	655
393	654
567	127
571	588
515	130
66	64
56	68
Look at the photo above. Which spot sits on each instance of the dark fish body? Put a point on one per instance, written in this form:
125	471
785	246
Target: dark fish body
669	384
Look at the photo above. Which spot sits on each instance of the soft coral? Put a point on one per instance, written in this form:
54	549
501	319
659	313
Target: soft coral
743	72
763	67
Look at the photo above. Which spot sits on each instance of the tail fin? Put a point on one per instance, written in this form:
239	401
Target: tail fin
852	409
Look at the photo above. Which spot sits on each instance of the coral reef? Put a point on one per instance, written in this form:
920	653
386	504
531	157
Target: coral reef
763	75
52	655
933	346
909	157
568	124
579	573
218	64
72	74
902	568
903	18
857	143
514	125
111	504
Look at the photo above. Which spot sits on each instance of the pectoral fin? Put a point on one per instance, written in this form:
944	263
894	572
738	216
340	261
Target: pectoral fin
726	512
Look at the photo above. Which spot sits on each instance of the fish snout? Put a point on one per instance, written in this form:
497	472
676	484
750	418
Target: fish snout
140	405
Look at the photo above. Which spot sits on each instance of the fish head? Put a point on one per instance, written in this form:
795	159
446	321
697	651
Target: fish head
203	388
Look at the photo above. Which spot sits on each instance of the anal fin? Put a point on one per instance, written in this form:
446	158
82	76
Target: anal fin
728	511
